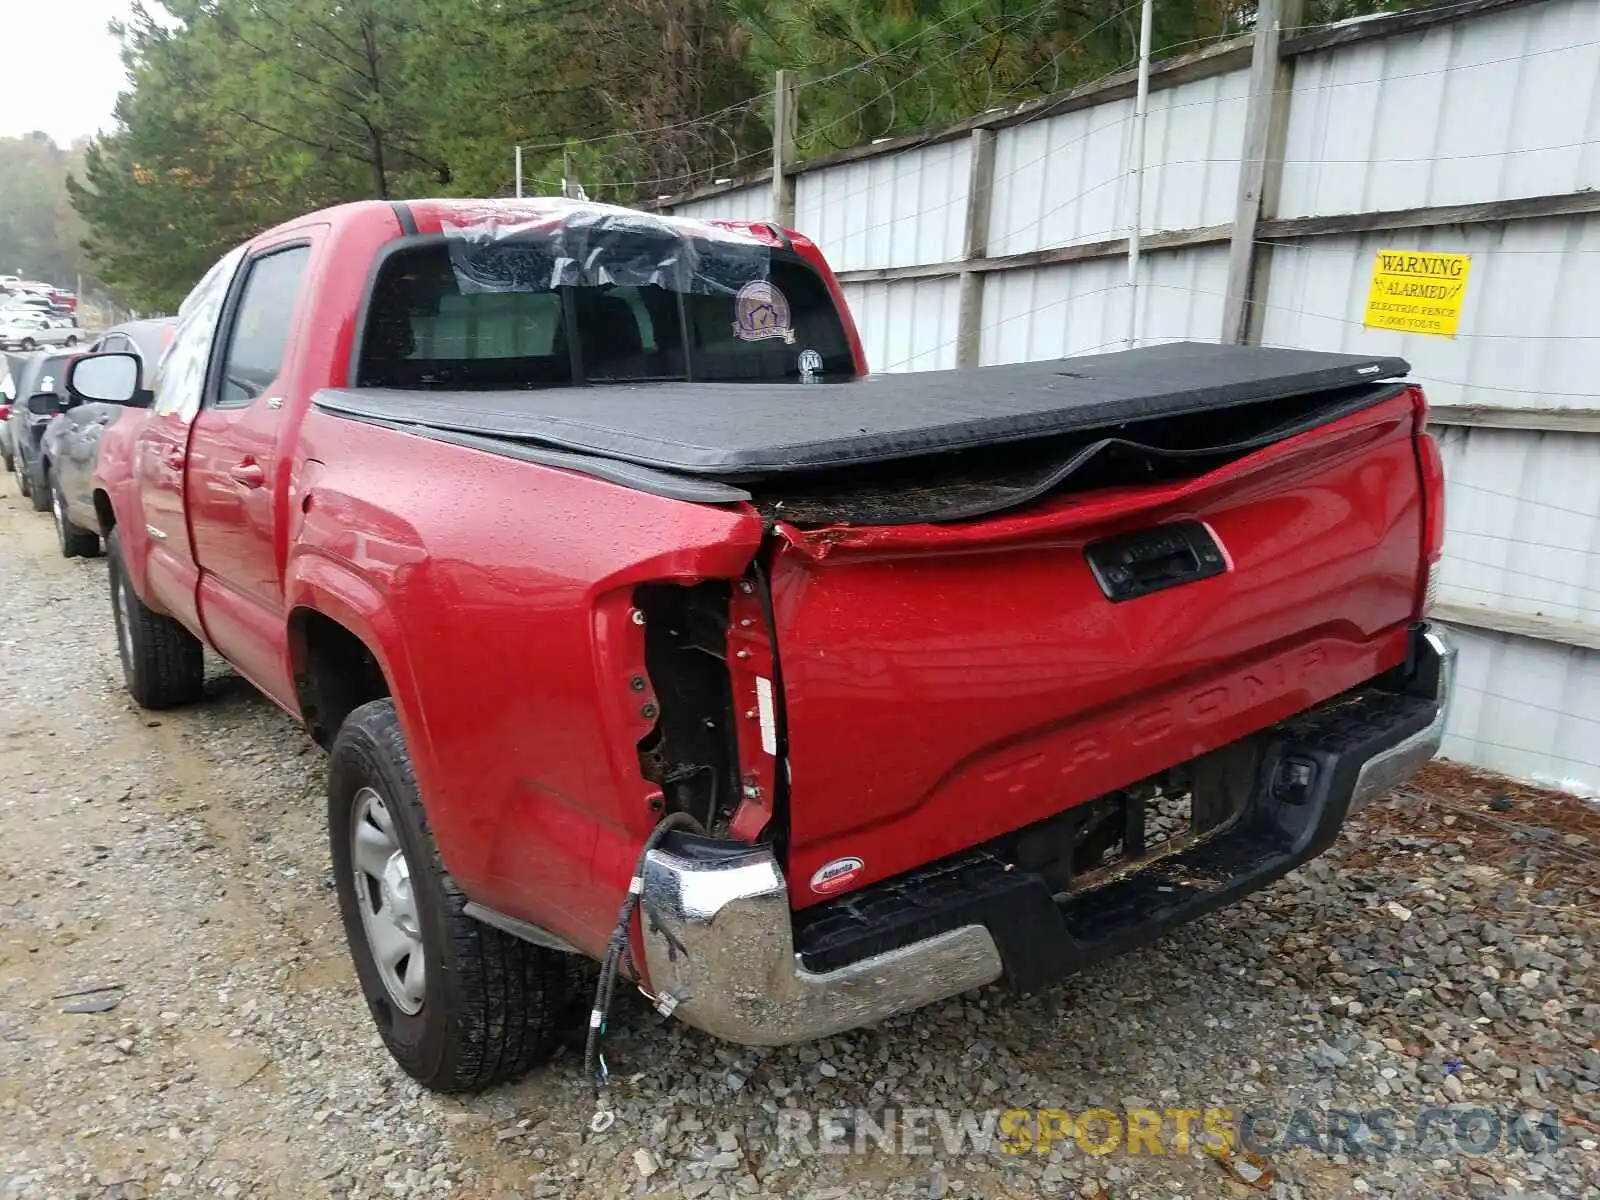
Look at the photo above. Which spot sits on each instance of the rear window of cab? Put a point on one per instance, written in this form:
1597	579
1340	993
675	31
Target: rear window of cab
425	328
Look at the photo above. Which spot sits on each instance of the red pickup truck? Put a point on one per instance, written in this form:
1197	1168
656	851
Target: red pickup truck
643	626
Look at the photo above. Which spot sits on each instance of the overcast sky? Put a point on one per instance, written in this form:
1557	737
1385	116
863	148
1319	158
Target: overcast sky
61	69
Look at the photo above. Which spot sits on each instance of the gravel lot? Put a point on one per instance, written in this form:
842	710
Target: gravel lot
1443	957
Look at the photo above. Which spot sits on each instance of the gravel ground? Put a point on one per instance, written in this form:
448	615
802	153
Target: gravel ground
1442	957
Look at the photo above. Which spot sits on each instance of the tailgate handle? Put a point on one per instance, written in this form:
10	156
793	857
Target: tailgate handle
1135	564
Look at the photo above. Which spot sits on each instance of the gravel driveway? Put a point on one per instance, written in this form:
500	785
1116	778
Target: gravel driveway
1442	958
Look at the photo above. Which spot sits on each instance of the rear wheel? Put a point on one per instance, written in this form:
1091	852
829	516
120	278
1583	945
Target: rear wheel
29	344
72	340
38	488
461	1006
162	662
20	470
75	541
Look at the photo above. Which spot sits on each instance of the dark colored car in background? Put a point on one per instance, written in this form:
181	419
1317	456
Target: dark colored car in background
42	374
8	396
71	442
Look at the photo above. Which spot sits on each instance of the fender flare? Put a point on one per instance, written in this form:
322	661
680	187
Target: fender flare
330	586
113	478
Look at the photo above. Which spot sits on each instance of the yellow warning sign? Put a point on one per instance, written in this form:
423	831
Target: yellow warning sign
1417	291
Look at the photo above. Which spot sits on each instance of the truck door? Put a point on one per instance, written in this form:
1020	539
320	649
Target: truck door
238	475
163	443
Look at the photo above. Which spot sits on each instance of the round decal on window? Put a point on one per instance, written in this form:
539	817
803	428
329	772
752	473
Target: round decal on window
761	311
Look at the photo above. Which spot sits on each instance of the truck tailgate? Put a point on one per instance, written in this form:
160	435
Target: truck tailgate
946	684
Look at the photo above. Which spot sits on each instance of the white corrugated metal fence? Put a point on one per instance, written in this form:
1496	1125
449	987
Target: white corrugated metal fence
1474	132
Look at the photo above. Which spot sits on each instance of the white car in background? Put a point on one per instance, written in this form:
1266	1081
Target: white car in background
21	329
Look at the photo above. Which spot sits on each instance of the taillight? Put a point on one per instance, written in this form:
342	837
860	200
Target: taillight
1430	467
5	412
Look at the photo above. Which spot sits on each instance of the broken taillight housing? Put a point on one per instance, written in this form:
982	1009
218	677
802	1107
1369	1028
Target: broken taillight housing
1430	467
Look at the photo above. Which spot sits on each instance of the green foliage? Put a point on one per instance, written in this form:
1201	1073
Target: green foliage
244	113
932	62
39	231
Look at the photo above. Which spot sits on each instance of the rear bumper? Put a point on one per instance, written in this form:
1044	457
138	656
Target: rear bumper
1436	662
725	953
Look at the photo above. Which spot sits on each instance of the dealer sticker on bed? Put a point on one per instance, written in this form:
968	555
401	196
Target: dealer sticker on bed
761	311
1417	291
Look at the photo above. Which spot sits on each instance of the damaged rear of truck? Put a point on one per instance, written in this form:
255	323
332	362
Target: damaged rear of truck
642	624
907	684
1012	745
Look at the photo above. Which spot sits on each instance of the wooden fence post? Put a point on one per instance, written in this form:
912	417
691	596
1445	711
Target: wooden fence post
975	245
1266	129
784	124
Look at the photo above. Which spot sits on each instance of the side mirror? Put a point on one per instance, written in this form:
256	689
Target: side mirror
46	404
105	378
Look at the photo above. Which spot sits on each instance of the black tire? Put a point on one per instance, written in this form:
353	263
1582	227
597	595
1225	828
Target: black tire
162	662
20	469
74	540
28	344
38	489
491	1005
72	340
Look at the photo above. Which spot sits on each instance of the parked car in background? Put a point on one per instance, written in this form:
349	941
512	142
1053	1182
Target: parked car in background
147	339
8	396
27	329
41	375
71	442
30	303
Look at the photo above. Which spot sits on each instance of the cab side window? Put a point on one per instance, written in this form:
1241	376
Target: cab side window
183	374
259	333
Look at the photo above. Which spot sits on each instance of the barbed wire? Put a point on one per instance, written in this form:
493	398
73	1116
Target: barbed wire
707	148
761	100
699	141
924	69
887	91
959	197
1298	90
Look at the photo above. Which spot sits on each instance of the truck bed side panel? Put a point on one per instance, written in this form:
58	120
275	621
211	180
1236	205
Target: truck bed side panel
507	589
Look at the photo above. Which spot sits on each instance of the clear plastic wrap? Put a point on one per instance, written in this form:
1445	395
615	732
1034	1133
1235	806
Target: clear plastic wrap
556	243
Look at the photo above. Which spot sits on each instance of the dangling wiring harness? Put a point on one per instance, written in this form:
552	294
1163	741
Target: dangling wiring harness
619	952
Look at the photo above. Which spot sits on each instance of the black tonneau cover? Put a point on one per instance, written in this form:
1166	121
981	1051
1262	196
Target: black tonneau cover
754	430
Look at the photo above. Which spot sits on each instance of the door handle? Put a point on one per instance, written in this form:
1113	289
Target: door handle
248	473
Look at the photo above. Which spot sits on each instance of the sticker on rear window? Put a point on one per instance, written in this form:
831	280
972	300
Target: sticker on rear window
810	365
761	311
